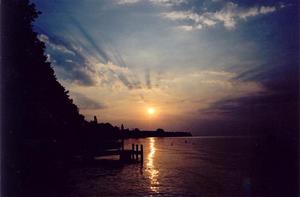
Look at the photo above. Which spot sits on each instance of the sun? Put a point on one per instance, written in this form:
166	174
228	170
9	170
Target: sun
151	110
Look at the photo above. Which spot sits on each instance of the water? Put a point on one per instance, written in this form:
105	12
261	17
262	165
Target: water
189	166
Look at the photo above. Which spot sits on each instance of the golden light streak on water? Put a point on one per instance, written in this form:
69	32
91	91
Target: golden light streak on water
151	170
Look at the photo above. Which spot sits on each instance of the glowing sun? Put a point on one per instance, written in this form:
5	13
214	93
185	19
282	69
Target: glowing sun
151	110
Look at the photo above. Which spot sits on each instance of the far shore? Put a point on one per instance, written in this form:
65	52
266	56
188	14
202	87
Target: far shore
144	134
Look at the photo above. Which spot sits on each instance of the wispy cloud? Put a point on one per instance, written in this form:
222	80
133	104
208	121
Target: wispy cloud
69	63
168	2
123	2
156	2
86	103
148	79
83	68
122	74
228	16
59	47
100	52
186	27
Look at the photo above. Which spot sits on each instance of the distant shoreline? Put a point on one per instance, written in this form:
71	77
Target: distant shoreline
144	134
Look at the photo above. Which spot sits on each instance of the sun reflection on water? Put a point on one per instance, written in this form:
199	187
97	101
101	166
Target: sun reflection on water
152	171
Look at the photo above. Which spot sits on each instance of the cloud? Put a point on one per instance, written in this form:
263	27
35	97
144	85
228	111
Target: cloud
273	111
44	38
266	10
101	52
229	16
258	114
186	27
69	64
113	73
86	103
168	2
148	79
76	74
123	2
156	2
210	84
74	63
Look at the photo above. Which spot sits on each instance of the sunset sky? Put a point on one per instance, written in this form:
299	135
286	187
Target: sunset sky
194	64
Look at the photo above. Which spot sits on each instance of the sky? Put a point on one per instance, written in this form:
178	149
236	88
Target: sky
209	67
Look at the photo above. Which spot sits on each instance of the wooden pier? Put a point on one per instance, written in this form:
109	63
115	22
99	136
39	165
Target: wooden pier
135	154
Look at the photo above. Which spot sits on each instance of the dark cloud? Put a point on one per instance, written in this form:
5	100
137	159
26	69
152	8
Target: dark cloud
101	52
107	53
274	112
86	103
125	81
117	56
75	74
74	67
73	64
104	50
129	84
148	79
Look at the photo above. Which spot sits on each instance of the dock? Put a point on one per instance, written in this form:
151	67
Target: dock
135	154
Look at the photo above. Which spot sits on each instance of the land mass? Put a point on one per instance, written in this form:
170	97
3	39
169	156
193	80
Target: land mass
104	131
157	133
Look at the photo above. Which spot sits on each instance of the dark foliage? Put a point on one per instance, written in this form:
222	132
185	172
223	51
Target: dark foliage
41	125
37	105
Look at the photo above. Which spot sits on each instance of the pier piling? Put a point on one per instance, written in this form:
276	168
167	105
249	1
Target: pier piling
132	152
122	145
142	154
137	152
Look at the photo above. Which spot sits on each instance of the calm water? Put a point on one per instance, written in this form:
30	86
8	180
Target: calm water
217	166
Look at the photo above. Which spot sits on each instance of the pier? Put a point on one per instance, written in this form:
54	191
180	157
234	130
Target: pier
135	154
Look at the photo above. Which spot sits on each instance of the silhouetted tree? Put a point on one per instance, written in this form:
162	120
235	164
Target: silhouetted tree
37	105
95	120
136	130
36	108
159	130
